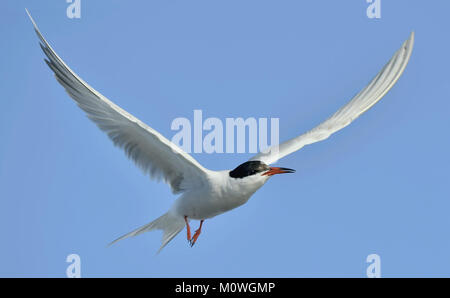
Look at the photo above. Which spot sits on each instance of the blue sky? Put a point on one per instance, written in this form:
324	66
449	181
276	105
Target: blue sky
379	186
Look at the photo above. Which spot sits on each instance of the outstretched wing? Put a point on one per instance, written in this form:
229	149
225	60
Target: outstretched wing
152	152
363	101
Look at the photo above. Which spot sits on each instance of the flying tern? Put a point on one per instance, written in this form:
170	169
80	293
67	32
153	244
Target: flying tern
205	193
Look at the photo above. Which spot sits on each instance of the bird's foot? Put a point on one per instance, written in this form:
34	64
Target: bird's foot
195	237
196	234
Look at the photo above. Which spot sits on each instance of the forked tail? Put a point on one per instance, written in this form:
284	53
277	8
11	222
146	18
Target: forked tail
169	223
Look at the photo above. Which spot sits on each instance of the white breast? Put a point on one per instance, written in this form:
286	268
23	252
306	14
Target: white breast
220	194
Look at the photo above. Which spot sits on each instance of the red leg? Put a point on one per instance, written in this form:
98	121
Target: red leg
188	228
197	233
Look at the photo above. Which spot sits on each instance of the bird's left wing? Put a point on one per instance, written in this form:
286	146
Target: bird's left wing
363	101
152	152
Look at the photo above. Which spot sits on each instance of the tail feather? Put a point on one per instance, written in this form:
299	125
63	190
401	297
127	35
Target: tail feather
170	224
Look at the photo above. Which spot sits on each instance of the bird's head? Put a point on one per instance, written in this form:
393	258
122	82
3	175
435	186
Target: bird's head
256	167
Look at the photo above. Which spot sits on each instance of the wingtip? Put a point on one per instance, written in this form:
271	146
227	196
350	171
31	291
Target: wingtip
115	241
28	13
31	18
409	43
412	36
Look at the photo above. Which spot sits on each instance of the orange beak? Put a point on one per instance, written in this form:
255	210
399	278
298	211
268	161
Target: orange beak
273	171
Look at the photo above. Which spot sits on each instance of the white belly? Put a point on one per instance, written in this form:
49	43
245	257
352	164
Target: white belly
221	194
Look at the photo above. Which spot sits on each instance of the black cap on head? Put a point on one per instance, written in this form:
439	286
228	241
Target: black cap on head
249	168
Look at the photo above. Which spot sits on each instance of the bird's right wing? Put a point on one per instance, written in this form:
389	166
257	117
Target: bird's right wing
152	152
363	101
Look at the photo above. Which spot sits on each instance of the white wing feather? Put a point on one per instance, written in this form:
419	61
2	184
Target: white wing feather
152	152
363	101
